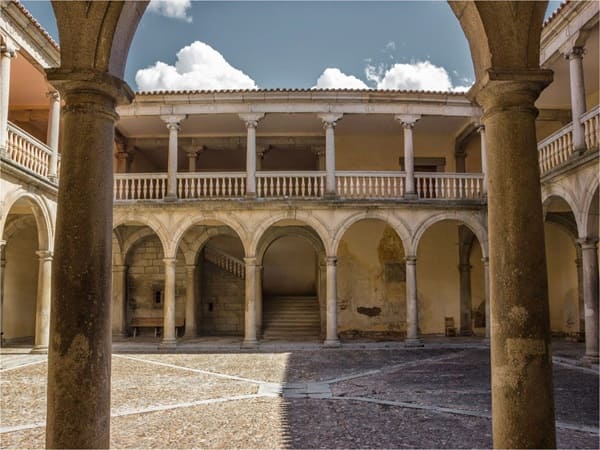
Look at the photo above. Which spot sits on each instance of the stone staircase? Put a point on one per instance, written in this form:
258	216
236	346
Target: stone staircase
225	261
291	318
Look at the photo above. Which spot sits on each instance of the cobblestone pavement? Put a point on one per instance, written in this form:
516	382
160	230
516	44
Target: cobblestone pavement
346	398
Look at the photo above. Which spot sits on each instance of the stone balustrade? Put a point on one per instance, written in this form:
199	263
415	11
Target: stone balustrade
556	149
225	261
140	186
370	185
27	151
591	125
449	186
216	185
301	184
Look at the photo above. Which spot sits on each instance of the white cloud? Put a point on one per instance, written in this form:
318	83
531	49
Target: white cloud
174	9
333	78
390	46
419	76
198	66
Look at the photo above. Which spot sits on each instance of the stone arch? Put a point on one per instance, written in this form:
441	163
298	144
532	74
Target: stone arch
41	213
184	226
561	192
150	222
275	233
396	223
475	225
191	249
308	219
590	212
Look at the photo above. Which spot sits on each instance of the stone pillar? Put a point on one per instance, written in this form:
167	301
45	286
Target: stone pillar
192	154
408	122
173	126
412	304
331	338
319	151
7	52
190	301
2	269
521	361
250	309
322	293
578	107
169	333
481	131
44	296
122	157
261	150
589	257
119	286
465	299
329	122
259	301
52	133
580	299
79	354
486	277
251	121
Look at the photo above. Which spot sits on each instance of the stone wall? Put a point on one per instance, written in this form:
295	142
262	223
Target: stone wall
221	303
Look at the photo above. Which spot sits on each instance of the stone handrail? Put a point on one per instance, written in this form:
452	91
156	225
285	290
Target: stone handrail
140	186
556	149
298	184
591	126
448	186
370	185
213	185
27	151
225	261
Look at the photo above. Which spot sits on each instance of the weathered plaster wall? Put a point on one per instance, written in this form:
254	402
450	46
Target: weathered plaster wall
371	281
562	280
20	285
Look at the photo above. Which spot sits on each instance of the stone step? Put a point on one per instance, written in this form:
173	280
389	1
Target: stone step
287	318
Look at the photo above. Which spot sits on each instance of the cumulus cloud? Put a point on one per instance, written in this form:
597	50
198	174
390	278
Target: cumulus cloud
198	66
418	76
174	9
333	78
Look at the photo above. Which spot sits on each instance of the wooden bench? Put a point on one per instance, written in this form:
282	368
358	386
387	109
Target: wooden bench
154	322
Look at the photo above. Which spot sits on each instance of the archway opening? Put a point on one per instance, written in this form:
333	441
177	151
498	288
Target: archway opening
19	274
291	288
371	282
451	281
563	260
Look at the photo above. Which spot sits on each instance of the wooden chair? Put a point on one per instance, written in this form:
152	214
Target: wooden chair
449	326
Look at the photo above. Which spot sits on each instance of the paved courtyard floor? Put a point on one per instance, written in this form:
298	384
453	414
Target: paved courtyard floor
361	396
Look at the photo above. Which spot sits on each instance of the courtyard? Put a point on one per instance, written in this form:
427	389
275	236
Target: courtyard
297	395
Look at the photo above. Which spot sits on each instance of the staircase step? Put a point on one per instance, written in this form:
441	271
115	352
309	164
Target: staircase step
286	318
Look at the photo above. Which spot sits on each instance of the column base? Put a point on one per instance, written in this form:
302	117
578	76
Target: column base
170	198
250	196
251	344
413	342
191	334
39	350
577	152
53	179
410	196
466	333
330	195
332	343
167	344
590	359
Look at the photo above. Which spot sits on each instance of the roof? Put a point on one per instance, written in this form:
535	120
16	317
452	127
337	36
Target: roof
293	90
555	13
36	24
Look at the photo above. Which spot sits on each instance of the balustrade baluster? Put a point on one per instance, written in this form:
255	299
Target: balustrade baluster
277	191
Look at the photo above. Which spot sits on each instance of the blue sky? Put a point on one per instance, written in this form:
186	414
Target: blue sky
286	44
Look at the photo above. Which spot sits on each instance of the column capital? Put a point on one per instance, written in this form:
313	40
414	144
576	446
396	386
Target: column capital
485	260
588	243
119	268
53	95
2	243
318	150
170	261
190	267
329	119
193	150
251	119
407	120
262	149
576	52
8	50
410	260
466	267
45	254
250	261
331	260
173	121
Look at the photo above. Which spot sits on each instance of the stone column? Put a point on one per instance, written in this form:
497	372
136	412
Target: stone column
259	301
119	286
169	333
589	257
7	52
481	131
465	299
322	293
486	277
173	126
122	156
251	120
192	154
331	339
408	122
44	296
412	304
250	307
79	354
329	122
521	361
578	107
580	300
261	150
52	133
319	151
190	301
